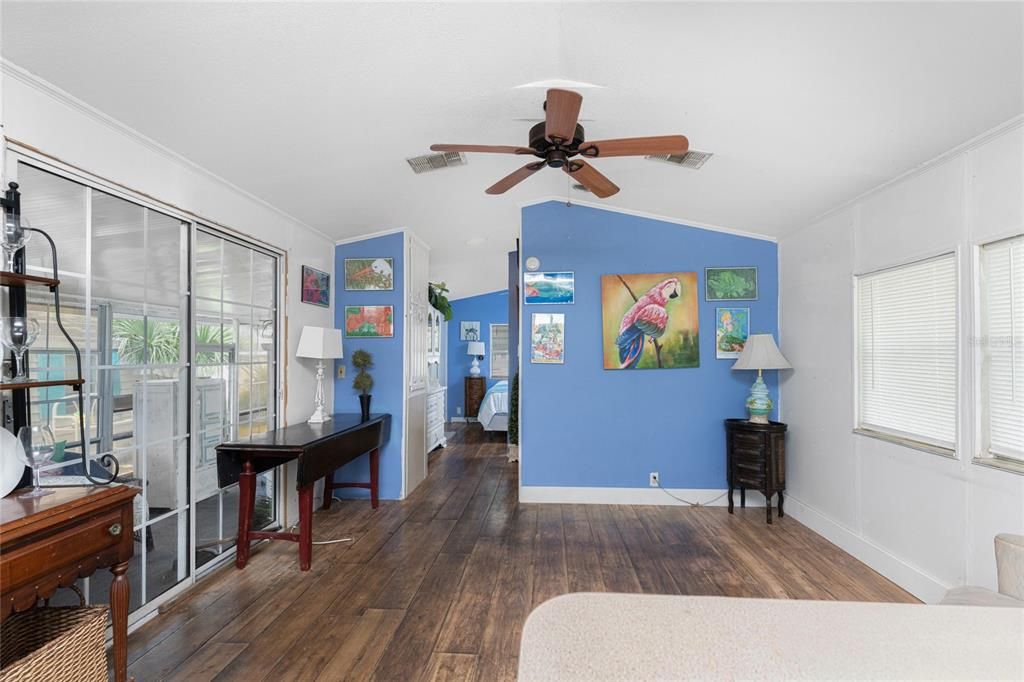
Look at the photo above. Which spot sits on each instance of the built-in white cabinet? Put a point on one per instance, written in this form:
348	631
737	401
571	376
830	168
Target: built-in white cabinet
417	267
436	390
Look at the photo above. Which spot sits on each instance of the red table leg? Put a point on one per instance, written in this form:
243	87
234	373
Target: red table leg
119	594
374	476
305	527
246	502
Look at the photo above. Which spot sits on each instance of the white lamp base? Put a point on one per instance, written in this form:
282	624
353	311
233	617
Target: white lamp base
474	369
319	413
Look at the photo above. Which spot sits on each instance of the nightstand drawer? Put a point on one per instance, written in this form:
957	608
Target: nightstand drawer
750	441
747	454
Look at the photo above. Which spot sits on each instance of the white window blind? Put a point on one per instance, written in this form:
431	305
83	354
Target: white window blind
906	351
499	351
1002	319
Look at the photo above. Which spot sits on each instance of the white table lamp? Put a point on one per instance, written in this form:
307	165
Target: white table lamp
476	349
760	353
321	344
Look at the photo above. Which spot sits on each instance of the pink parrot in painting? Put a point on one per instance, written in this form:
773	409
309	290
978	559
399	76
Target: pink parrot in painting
646	317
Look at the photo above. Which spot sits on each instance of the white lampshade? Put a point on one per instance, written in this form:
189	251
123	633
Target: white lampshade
475	348
319	343
760	352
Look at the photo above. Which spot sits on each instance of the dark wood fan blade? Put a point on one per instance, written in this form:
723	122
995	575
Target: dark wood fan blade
486	148
562	109
513	179
591	178
636	146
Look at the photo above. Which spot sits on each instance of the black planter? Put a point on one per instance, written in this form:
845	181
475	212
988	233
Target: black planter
364	405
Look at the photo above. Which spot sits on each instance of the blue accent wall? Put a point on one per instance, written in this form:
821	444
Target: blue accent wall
487	309
584	426
387	360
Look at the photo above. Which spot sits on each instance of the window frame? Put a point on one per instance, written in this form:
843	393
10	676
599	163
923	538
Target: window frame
910	440
979	399
508	359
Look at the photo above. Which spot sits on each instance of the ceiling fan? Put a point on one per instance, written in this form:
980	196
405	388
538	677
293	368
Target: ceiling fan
559	138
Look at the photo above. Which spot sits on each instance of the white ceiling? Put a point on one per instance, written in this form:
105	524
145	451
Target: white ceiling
315	106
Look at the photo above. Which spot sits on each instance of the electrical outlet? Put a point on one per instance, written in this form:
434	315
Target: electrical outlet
654	479
458	411
341	371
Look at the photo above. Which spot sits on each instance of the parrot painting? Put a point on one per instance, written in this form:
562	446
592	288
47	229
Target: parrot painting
646	317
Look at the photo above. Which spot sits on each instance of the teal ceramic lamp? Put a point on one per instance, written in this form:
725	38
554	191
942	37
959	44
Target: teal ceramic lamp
760	353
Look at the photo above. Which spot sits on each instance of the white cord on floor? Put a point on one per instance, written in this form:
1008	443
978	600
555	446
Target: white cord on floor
323	542
692	504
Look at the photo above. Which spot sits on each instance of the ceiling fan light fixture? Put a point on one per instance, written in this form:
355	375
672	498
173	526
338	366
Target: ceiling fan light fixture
559	142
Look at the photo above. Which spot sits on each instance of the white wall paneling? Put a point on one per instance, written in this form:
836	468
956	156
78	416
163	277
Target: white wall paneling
924	520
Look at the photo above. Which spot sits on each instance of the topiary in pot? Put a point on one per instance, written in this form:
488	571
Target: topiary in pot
363	382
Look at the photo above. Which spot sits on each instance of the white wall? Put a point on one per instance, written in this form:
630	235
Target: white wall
41	116
925	521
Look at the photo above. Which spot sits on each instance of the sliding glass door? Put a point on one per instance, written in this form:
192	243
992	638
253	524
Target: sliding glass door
178	326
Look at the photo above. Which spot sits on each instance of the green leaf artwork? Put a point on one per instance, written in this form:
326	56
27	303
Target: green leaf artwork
730	284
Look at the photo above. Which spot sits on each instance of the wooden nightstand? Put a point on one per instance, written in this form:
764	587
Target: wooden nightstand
756	458
476	387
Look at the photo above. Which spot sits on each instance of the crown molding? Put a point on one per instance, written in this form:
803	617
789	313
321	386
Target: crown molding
383	233
9	69
650	216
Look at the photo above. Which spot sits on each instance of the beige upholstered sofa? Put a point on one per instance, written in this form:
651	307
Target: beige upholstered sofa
1010	570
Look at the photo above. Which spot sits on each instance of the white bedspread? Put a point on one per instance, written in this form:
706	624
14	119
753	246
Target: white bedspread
655	637
495	403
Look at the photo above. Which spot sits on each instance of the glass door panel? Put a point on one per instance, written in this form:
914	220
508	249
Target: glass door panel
125	301
235	386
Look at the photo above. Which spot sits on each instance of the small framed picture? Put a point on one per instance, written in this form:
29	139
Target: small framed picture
316	287
548	287
369	274
730	284
469	330
547	339
732	328
369	321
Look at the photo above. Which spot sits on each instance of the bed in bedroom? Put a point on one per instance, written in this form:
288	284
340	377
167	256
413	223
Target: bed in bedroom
493	415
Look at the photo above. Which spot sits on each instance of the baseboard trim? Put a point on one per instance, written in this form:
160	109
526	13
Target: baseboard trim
543	494
925	587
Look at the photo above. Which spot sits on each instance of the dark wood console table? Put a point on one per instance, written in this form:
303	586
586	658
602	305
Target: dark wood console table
320	449
50	542
756	458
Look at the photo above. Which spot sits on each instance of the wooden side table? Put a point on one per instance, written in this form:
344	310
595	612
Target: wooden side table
49	542
756	458
476	387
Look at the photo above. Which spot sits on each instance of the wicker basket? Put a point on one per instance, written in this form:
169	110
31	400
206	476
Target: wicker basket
54	643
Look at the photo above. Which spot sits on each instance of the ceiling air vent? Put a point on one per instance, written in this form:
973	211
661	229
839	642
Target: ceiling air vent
691	159
430	162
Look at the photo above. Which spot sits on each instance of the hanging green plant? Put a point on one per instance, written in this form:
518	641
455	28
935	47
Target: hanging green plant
436	296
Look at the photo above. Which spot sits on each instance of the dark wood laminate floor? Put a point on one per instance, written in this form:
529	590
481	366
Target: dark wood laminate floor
438	586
